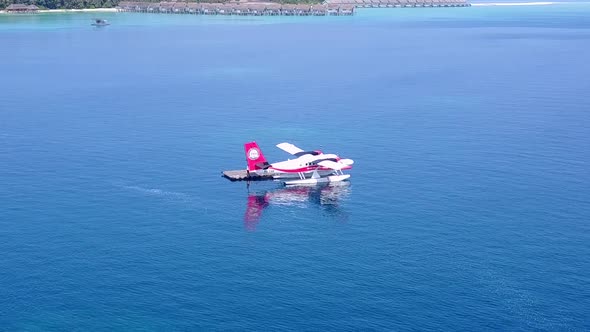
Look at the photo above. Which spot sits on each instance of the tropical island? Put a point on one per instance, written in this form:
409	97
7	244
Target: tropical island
256	7
89	4
60	4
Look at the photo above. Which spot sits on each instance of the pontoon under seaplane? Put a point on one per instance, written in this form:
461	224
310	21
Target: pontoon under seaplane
308	168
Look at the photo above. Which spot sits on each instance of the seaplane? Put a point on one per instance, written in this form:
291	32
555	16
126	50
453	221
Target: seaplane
307	168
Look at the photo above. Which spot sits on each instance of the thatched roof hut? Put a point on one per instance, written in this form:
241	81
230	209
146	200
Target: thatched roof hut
179	7
249	7
21	8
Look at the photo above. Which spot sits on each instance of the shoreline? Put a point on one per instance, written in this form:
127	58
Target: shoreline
91	10
83	10
114	10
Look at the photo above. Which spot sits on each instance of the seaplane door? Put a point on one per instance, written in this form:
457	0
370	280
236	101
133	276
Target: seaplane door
315	174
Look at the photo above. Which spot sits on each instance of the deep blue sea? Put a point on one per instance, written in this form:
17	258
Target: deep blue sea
468	207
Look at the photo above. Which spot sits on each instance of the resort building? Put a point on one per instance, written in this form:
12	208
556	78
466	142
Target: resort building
21	8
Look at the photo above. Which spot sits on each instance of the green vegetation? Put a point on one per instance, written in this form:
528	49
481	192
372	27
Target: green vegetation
63	4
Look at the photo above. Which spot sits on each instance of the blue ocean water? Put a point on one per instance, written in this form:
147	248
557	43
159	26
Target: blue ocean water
468	206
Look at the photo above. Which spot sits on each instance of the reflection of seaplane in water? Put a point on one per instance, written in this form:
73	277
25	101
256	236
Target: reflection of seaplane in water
308	168
326	196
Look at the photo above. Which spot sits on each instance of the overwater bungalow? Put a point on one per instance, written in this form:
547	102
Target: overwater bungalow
330	7
257	9
179	7
272	9
142	7
232	9
165	7
21	8
211	8
224	9
347	10
192	8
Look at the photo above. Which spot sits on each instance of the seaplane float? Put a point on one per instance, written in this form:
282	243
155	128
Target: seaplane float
307	168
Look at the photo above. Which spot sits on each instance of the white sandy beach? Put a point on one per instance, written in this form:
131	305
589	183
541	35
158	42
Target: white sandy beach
98	10
92	10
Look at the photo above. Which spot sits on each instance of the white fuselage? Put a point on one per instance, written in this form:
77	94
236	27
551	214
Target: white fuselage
302	167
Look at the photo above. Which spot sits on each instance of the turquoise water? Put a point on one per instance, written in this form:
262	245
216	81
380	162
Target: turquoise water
467	209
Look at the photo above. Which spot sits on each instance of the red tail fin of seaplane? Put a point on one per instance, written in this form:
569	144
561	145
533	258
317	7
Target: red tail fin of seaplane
254	157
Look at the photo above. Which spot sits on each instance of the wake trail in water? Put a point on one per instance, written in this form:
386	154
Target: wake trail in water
166	195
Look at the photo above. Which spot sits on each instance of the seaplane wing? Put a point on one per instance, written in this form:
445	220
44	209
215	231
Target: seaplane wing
289	148
331	164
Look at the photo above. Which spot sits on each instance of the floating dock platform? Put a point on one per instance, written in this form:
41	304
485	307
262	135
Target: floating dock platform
244	175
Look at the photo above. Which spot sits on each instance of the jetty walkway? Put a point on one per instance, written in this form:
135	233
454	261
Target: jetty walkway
329	7
399	3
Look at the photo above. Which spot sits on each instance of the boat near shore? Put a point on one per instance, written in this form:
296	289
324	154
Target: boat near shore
99	22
